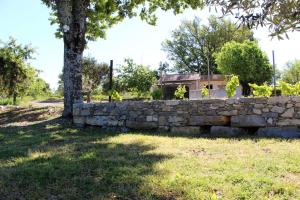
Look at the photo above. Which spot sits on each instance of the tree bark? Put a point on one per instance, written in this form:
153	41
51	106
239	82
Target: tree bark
246	90
72	16
88	97
15	98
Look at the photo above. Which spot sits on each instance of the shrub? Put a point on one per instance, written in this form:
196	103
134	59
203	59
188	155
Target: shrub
204	92
180	91
286	88
261	90
115	95
232	85
6	101
156	94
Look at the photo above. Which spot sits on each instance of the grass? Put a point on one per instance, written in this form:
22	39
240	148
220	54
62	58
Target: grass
48	158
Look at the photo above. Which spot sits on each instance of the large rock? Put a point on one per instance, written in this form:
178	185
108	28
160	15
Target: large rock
227	131
283	132
248	121
186	129
289	113
288	122
209	120
141	125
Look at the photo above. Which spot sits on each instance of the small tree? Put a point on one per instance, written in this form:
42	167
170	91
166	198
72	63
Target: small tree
247	61
136	78
232	85
193	43
15	73
292	72
204	92
180	91
261	90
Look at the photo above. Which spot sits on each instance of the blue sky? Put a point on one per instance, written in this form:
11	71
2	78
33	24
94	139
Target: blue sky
27	21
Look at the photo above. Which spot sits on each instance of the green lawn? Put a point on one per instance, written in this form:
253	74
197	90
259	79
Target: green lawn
54	160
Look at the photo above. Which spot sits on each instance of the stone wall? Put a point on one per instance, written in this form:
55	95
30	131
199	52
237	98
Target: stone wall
275	116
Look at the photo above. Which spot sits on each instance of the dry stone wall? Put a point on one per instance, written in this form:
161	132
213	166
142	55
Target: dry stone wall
275	116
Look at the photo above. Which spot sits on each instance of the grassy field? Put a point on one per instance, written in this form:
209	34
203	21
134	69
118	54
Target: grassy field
44	157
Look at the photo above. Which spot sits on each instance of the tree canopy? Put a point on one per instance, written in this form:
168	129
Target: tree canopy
279	16
193	44
247	61
94	74
136	78
15	73
292	72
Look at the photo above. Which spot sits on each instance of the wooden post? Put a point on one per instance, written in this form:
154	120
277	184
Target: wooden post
274	71
110	78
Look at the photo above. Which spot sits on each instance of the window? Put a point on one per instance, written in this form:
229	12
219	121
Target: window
211	86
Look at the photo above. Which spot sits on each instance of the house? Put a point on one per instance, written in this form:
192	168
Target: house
194	83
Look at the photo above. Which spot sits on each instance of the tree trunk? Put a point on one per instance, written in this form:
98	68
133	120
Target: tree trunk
15	98
246	90
72	16
88	99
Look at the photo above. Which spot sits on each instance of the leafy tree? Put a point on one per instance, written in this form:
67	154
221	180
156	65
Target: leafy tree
261	90
193	44
93	75
37	86
245	60
15	73
231	86
180	92
136	78
204	92
292	72
279	16
82	20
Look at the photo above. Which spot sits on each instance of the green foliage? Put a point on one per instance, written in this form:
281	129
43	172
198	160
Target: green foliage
180	91
231	86
292	72
247	61
102	15
279	16
288	89
93	75
115	95
193	42
6	101
261	90
204	92
136	78
156	93
17	78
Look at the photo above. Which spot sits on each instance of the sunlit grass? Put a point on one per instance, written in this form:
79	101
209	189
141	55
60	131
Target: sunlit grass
54	160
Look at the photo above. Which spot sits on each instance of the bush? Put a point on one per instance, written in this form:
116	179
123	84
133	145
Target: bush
261	90
232	85
286	88
204	92
180	91
156	94
6	101
115	95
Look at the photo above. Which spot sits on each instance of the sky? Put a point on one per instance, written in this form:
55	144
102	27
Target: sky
28	22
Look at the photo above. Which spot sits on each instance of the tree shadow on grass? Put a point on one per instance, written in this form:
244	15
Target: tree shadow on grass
54	160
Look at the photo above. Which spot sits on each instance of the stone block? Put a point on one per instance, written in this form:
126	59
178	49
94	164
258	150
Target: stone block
227	131
228	113
283	132
289	113
141	125
172	102
248	121
186	130
80	121
98	120
280	99
209	120
288	122
257	111
277	109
